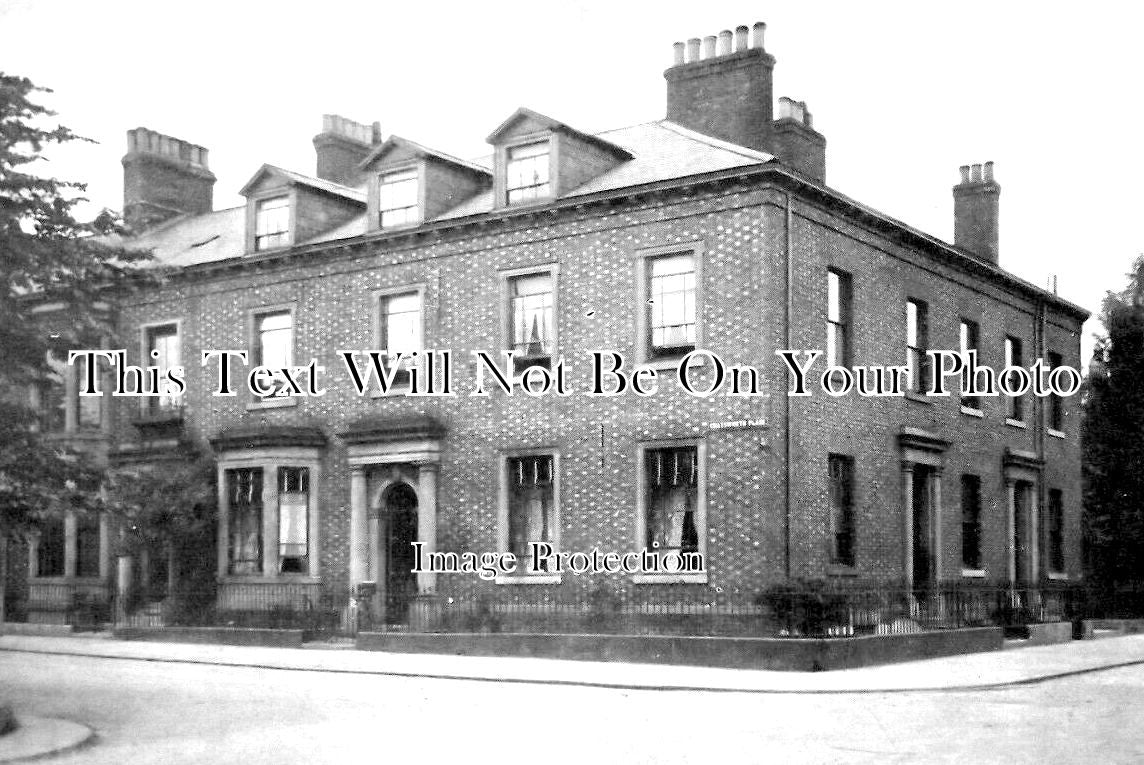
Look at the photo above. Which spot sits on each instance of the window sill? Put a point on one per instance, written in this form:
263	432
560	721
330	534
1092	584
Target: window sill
272	403
1058	576
529	579
841	570
669	579
973	573
1015	423
273	579
1056	433
919	398
68	580
972	412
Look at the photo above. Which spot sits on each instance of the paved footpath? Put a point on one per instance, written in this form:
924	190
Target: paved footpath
996	669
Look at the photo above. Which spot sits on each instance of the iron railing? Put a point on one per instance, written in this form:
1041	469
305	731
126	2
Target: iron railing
797	610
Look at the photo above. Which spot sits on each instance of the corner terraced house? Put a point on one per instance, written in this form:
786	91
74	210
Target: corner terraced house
713	228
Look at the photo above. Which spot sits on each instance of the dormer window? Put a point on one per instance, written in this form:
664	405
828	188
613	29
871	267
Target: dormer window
527	172
398	202
272	223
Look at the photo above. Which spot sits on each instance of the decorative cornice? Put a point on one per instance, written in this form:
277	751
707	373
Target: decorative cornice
261	436
376	429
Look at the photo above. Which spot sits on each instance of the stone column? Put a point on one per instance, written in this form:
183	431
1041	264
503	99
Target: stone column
1011	530
908	523
935	520
269	520
70	546
104	548
359	532
427	521
1034	536
223	525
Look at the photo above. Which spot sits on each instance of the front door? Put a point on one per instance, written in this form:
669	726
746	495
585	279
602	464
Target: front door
401	533
922	541
1021	536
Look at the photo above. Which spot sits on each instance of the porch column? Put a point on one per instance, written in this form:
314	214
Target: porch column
104	548
908	523
935	515
270	520
427	521
1034	536
359	533
223	524
70	546
1011	530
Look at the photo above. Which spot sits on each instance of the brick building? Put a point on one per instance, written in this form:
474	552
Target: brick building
711	229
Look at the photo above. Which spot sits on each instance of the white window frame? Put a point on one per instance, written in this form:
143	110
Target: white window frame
700	511
642	309
147	404
507	318
269	459
525	142
379	342
287	234
255	354
414	170
523	575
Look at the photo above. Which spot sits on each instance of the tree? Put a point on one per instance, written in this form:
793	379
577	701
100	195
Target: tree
170	508
1113	441
46	256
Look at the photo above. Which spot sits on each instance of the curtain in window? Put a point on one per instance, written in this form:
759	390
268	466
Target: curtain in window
530	502
532	314
245	492
672	480
293	516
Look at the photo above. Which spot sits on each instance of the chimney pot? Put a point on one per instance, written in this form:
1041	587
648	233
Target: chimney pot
741	37
757	32
976	212
724	42
164	177
679	50
709	46
693	50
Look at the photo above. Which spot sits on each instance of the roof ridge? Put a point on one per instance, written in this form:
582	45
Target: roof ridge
717	143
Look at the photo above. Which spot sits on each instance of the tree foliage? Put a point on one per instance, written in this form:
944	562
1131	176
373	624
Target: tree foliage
46	254
1113	438
167	504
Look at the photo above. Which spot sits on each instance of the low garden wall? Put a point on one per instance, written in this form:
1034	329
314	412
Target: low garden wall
787	654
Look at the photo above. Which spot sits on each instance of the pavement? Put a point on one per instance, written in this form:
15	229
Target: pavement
187	703
979	671
40	737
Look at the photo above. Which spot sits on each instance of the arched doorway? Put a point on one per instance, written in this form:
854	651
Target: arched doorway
399	506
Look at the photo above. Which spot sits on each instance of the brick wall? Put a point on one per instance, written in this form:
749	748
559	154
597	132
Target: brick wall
742	233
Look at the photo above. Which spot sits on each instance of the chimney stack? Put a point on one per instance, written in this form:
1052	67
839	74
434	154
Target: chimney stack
722	87
341	146
796	143
975	211
163	177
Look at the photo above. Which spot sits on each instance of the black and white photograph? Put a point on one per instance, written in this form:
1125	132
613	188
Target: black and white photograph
571	383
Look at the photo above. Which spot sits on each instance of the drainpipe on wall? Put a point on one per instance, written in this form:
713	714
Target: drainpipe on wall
1039	441
789	311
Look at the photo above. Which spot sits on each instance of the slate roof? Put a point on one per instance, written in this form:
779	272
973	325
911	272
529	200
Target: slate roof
660	151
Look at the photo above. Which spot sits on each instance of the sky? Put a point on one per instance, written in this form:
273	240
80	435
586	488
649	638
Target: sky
905	93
